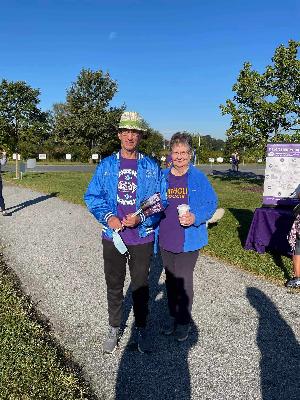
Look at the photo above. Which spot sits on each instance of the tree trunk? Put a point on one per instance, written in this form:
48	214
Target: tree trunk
17	166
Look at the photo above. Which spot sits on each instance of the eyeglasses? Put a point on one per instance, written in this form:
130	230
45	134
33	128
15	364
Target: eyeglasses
180	154
130	133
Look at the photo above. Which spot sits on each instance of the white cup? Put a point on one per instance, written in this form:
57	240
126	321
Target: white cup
183	209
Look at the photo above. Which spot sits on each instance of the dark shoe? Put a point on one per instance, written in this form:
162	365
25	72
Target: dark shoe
169	327
111	341
143	343
293	283
182	332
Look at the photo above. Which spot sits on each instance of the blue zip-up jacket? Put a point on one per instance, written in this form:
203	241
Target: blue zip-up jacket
101	194
202	200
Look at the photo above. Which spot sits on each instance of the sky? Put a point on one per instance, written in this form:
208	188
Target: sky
174	61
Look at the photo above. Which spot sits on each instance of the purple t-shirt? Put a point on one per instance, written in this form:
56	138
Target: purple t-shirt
126	199
171	233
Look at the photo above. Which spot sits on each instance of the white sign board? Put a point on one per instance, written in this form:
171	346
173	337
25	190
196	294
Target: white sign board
42	156
211	160
68	156
31	163
220	159
282	174
95	156
15	156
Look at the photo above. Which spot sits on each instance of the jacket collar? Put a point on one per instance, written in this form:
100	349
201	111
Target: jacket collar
140	155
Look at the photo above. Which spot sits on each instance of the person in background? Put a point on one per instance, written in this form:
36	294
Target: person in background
182	235
120	184
2	163
235	160
294	240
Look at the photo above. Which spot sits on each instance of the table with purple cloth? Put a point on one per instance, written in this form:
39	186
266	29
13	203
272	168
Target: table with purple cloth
269	230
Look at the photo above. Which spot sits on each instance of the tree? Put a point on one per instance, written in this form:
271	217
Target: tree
86	118
268	104
20	116
209	147
152	142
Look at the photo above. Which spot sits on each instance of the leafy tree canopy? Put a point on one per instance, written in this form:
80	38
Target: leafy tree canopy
20	115
86	117
268	104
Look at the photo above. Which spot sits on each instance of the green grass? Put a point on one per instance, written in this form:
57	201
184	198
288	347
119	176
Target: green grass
239	196
50	162
68	186
31	365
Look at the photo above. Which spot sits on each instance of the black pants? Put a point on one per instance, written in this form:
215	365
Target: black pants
115	272
2	204
179	269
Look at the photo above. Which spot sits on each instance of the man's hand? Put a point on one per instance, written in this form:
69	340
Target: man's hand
187	219
114	223
131	220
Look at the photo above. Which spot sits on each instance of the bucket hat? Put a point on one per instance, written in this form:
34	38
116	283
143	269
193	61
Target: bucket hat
132	120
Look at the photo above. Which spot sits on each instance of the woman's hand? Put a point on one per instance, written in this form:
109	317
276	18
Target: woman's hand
187	219
131	221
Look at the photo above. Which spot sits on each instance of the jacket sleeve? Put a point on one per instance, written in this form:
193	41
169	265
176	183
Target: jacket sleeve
205	202
96	197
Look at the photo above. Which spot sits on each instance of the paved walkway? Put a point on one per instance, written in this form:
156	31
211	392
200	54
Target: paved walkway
245	338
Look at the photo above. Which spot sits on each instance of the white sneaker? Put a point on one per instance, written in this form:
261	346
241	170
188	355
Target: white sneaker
111	341
217	216
293	283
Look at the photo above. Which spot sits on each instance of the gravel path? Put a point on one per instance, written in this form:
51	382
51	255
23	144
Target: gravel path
245	338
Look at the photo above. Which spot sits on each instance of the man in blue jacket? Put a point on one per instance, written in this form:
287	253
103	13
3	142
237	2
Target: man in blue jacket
120	184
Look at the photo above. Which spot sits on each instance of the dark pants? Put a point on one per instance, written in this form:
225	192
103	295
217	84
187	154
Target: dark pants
179	283
2	204
115	272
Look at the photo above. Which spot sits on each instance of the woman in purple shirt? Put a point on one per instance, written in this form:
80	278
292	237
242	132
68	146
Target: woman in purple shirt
181	236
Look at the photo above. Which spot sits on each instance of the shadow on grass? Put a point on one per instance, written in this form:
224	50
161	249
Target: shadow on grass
279	348
164	373
278	244
244	218
239	177
18	207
